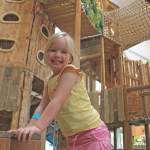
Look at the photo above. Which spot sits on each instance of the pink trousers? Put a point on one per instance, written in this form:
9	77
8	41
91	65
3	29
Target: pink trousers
94	139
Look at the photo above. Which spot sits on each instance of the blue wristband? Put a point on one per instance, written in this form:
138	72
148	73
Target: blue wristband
36	116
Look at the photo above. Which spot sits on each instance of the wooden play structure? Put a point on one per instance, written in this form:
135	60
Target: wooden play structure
25	27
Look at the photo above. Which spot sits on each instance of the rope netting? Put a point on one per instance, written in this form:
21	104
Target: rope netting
129	25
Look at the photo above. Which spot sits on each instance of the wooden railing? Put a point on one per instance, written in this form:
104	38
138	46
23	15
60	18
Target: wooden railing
9	142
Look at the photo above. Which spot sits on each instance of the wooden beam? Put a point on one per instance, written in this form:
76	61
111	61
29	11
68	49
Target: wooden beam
148	71
127	136
127	132
147	134
90	56
90	50
112	72
115	139
144	93
78	31
102	64
138	88
90	75
25	108
121	80
15	116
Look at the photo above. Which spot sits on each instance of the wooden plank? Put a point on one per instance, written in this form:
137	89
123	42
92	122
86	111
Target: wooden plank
138	88
112	72
148	71
91	41
43	139
102	105
25	107
116	117
5	88
110	99
126	136
102	65
115	139
131	79
125	100
90	50
106	106
147	135
14	89
144	93
115	100
120	103
1	77
33	144
121	80
16	114
90	76
78	31
5	143
90	56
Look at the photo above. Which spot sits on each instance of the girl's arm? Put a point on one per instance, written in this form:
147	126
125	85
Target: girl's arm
44	102
68	79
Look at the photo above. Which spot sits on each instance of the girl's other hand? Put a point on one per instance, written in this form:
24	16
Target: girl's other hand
24	131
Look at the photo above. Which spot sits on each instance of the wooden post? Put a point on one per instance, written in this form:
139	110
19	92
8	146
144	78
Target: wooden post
121	80
78	31
143	83
115	139
102	64
104	5
127	133
15	116
90	75
25	108
147	134
148	71
112	71
126	125
43	139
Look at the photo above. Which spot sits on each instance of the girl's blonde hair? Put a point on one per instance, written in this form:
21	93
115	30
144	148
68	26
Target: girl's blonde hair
69	40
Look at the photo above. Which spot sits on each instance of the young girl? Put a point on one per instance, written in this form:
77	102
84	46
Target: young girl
65	97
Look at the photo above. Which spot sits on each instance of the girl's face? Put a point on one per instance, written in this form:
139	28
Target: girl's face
58	55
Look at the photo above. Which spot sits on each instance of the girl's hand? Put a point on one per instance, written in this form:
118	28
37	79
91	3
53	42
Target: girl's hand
24	131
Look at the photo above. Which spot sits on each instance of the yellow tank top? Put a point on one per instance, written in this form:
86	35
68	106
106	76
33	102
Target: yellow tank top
76	114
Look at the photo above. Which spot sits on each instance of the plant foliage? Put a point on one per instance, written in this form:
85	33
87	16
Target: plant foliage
93	12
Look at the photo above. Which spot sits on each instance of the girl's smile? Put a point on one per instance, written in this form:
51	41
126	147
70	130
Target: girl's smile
58	55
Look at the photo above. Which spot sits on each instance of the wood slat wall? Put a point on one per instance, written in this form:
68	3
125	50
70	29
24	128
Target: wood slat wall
137	73
13	62
112	106
16	31
9	87
38	42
